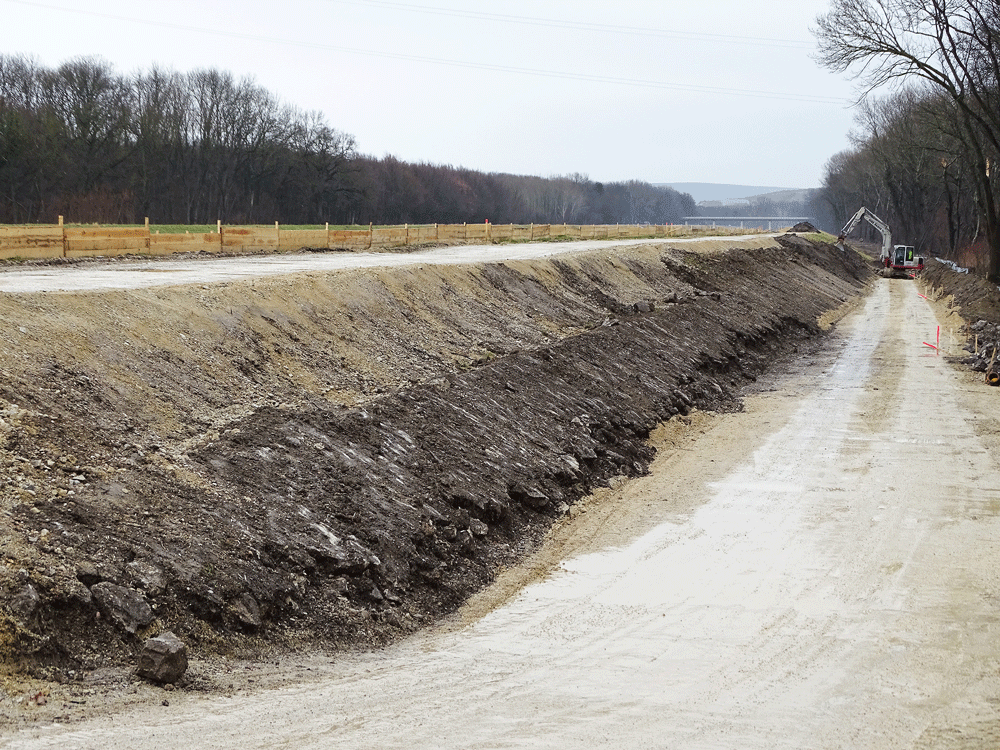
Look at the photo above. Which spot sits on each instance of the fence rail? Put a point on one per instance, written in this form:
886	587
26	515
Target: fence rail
755	222
58	240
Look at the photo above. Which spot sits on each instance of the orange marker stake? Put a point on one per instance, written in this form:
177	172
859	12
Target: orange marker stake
936	348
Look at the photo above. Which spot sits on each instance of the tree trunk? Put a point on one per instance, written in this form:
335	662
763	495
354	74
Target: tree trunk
993	240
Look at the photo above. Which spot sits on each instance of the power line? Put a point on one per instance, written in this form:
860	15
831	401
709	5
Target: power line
580	25
535	72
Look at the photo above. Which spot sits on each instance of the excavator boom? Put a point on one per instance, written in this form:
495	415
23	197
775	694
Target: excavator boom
881	226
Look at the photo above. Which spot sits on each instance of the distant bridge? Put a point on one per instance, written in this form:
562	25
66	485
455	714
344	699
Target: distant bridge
745	221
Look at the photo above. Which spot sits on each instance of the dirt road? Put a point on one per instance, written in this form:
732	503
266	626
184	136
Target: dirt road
818	571
153	273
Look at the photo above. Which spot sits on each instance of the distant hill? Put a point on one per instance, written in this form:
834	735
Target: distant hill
785	196
712	191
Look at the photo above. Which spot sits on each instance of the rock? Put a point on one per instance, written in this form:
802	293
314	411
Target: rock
79	594
530	496
570	461
247	612
26	603
478	528
493	509
147	576
367	588
87	574
163	659
124	606
339	586
349	556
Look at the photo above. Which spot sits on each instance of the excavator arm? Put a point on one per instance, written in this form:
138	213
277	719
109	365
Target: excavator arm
881	226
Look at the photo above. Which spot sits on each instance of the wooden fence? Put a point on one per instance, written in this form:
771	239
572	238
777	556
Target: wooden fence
59	241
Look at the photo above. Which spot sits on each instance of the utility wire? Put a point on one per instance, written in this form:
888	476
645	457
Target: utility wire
536	72
580	25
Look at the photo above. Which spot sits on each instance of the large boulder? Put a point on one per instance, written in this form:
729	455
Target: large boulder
163	658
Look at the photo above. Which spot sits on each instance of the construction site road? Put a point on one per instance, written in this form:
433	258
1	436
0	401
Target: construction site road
206	269
817	571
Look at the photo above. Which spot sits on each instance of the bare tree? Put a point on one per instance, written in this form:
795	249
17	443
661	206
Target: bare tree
92	103
953	45
316	166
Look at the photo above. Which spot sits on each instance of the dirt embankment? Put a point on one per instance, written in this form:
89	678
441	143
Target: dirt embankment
336	459
973	295
975	303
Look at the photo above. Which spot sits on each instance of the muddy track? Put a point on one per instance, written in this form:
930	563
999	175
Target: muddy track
337	459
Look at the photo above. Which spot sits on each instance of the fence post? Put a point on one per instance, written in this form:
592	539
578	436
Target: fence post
406	237
327	235
370	235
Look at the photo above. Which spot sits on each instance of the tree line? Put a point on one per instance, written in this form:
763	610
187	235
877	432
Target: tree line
86	143
925	157
765	205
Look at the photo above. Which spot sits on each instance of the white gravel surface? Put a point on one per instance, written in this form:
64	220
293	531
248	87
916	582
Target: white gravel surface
138	274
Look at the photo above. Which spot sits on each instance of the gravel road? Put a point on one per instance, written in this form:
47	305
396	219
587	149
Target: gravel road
151	273
817	571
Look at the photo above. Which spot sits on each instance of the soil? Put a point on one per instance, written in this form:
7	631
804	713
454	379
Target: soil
977	298
331	461
978	303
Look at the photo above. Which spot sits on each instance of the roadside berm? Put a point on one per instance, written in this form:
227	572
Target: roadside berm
337	459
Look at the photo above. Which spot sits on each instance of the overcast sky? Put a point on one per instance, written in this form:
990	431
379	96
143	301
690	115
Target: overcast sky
658	90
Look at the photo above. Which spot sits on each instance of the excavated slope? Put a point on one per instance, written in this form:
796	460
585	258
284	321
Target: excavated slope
336	459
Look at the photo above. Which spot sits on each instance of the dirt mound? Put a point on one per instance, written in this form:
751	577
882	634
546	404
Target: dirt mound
337	459
978	303
803	226
977	298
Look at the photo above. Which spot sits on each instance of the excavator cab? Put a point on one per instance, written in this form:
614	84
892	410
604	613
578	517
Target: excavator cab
904	258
